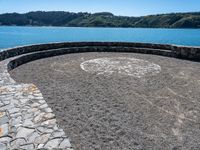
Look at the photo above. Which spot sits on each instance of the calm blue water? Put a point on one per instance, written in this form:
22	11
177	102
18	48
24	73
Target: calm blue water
17	36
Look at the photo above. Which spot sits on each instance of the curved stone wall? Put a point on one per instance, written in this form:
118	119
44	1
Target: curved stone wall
192	53
33	52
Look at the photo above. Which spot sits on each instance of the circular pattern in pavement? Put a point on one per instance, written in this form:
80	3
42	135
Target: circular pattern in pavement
121	65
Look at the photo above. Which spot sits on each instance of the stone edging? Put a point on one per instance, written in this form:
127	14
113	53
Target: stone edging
192	53
26	121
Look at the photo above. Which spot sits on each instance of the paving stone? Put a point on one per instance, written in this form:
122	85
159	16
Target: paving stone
38	95
48	110
65	144
35	105
6	102
17	142
49	122
1	104
24	132
2	114
30	97
39	118
16	121
42	139
41	146
27	146
28	122
5	139
45	130
54	143
3	129
3	146
37	113
15	115
24	100
26	108
27	115
18	125
33	136
6	107
4	120
41	101
44	106
58	134
15	101
13	129
49	116
13	110
55	127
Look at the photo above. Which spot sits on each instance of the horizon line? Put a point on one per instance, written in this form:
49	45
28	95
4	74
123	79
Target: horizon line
102	12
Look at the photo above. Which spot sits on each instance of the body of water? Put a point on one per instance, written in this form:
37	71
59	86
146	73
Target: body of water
17	36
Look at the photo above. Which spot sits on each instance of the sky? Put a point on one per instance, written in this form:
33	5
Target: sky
117	7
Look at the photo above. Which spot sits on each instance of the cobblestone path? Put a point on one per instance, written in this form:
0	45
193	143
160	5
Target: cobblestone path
26	121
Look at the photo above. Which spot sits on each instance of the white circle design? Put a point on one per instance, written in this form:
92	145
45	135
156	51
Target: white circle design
121	65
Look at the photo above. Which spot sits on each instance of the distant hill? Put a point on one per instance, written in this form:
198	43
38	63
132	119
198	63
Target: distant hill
103	19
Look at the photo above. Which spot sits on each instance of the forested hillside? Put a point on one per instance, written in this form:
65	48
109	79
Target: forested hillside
104	19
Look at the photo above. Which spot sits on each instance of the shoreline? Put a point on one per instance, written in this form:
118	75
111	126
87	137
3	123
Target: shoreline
99	27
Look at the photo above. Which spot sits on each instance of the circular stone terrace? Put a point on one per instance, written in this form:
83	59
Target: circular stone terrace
100	99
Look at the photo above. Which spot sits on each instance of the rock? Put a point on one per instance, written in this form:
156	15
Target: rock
16	121
42	139
4	120
41	101
15	115
40	145
58	134
24	132
24	100
45	130
3	146
13	110
49	122
5	139
7	107
27	116
44	106
27	146
16	142
65	144
48	110
39	118
35	105
4	130
28	122
32	137
53	143
55	127
49	116
36	113
1	104
34	109
2	114
38	95
31	97
6	102
13	129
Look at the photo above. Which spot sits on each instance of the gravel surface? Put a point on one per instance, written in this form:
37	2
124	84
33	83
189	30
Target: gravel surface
116	111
